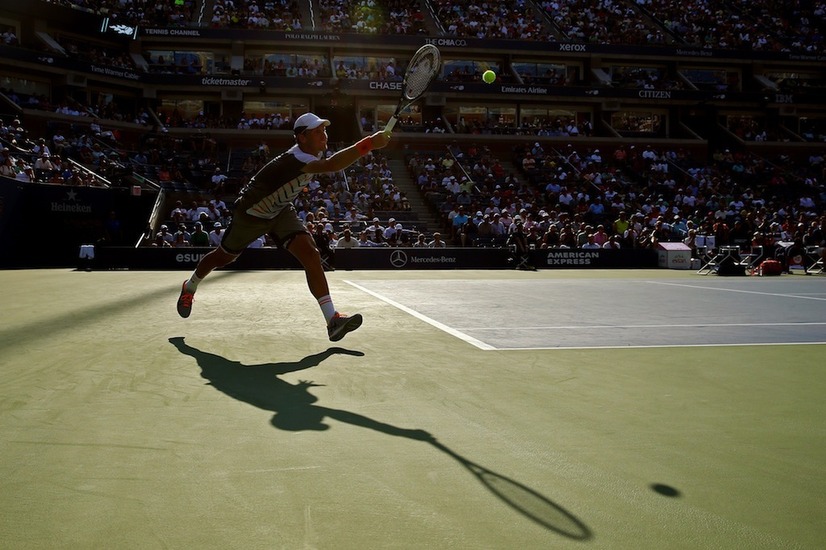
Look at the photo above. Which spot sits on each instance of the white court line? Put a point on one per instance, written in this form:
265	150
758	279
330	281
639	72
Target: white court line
453	332
737	290
487	347
695	325
729	345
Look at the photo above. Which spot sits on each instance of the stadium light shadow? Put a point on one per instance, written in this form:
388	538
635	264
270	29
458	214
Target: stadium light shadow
295	410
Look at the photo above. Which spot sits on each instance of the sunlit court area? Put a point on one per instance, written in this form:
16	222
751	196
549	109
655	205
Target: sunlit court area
473	409
412	274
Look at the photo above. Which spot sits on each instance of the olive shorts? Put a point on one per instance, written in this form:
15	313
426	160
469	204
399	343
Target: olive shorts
244	228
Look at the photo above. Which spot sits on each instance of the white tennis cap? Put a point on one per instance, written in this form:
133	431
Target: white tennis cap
309	121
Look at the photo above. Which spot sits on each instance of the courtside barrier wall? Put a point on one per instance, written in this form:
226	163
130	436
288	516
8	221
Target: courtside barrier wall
42	225
374	258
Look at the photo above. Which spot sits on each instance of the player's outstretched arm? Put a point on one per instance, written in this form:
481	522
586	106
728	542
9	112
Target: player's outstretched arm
347	156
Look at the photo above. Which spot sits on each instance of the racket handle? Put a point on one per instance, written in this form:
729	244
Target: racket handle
390	124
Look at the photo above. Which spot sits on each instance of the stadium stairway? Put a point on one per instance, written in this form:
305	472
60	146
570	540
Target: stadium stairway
309	13
428	219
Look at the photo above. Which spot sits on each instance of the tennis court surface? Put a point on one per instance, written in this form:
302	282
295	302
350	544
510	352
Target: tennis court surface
474	409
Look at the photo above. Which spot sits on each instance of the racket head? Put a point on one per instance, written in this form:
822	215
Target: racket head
421	71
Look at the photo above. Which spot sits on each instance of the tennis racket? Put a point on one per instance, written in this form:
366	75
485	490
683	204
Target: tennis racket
420	73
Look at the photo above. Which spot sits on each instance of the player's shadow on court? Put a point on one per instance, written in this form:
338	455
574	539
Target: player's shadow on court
296	410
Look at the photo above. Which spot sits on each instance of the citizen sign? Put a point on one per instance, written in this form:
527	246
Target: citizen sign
655	94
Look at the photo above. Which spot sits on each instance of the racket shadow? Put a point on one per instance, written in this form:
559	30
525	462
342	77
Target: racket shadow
528	502
296	409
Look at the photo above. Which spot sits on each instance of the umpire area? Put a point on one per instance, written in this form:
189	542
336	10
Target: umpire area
473	409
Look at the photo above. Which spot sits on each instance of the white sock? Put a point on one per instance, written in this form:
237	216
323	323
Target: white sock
192	282
327	307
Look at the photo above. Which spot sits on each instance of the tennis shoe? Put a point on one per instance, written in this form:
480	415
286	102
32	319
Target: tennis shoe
185	301
342	324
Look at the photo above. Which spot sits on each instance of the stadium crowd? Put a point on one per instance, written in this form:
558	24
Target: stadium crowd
604	22
681	25
574	197
465	18
761	25
628	198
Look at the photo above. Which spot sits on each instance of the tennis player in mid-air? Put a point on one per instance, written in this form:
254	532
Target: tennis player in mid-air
265	206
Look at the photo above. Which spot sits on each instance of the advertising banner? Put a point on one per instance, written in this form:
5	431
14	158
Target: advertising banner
378	258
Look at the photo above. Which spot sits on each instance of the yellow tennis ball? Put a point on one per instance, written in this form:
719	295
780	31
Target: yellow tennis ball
489	76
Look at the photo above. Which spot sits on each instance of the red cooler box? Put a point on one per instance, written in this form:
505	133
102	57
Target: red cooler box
674	255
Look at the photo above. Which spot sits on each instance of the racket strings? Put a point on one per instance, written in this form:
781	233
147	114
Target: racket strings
420	74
